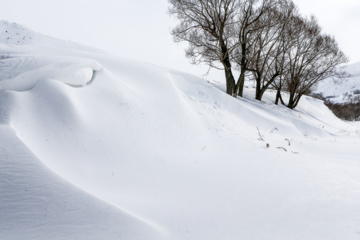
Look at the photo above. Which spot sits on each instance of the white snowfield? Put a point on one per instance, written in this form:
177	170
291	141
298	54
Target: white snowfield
98	147
342	90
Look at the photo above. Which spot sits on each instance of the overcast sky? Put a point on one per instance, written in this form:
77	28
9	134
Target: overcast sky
140	29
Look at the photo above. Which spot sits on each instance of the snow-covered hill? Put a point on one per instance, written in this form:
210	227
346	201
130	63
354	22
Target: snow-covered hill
342	90
97	147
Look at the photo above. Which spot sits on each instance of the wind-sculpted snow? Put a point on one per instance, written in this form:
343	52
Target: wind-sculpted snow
176	156
36	204
26	58
22	73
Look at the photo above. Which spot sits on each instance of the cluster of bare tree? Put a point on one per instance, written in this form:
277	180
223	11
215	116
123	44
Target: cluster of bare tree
267	41
347	111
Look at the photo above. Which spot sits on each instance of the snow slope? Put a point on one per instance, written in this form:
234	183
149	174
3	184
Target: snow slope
98	147
342	90
36	204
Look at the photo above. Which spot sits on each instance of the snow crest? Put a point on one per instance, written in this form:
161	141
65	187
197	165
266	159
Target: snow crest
22	73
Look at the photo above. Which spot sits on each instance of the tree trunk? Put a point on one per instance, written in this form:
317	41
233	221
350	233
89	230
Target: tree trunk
241	80
240	84
297	100
262	90
279	97
258	88
230	81
261	93
294	100
291	103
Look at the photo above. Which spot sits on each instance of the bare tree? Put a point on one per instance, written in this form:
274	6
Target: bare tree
247	28
267	58
267	38
208	27
291	30
313	58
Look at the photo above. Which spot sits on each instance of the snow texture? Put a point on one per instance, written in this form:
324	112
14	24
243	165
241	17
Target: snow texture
98	147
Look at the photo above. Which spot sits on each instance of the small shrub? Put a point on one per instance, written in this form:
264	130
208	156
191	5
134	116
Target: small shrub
346	111
318	96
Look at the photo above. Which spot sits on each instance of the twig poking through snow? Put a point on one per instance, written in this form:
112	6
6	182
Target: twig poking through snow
282	148
261	138
275	129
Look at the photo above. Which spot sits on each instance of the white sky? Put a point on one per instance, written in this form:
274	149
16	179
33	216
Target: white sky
140	29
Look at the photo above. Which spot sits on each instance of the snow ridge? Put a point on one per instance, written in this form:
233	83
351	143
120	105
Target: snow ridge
29	70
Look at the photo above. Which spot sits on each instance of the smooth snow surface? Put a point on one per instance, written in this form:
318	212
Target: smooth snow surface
36	204
97	147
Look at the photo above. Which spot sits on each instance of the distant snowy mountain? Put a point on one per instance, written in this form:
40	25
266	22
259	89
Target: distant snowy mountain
97	147
342	90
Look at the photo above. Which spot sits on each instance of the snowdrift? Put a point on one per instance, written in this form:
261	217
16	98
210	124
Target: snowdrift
98	147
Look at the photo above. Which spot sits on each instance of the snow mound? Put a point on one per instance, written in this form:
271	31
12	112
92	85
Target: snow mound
161	154
27	57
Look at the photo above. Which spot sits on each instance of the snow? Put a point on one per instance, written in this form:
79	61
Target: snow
342	90
75	72
36	204
98	147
